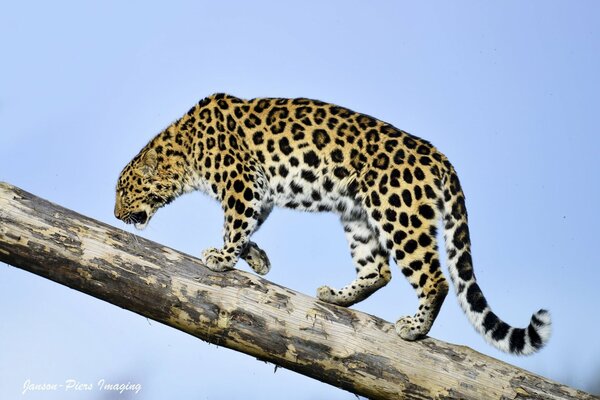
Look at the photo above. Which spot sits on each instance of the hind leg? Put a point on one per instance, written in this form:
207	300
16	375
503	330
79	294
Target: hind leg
415	251
371	262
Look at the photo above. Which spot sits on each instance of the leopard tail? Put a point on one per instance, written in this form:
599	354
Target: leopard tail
458	249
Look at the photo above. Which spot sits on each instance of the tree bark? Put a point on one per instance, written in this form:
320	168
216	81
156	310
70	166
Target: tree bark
345	348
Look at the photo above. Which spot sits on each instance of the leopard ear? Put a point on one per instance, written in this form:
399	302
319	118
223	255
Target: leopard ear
148	163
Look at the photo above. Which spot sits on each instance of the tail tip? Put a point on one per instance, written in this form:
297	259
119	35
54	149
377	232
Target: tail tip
541	319
540	326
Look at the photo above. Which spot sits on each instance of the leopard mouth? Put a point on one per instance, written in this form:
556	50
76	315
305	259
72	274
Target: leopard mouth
138	219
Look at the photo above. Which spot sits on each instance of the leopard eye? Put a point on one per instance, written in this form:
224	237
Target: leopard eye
154	198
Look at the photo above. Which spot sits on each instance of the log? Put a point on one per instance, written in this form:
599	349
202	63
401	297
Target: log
342	347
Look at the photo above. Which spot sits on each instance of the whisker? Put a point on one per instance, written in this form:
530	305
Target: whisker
131	237
135	239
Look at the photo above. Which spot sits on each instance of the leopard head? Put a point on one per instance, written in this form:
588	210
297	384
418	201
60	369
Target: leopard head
144	186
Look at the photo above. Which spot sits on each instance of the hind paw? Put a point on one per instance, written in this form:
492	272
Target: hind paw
410	328
330	295
326	294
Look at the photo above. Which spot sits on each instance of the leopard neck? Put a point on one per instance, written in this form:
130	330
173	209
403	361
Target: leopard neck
173	146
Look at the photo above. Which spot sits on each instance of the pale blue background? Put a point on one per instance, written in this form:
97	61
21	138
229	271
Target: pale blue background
508	90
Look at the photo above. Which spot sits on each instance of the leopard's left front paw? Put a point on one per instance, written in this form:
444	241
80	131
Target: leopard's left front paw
216	260
256	258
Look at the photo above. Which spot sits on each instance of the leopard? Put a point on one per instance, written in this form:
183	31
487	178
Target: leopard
391	190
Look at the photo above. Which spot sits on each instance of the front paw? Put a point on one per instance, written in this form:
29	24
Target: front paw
256	258
216	260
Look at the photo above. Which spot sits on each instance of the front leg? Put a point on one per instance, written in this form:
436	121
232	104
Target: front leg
243	207
236	237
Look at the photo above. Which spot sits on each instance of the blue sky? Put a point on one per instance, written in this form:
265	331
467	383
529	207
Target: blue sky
508	91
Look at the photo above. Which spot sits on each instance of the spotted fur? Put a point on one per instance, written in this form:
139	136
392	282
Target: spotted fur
390	189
